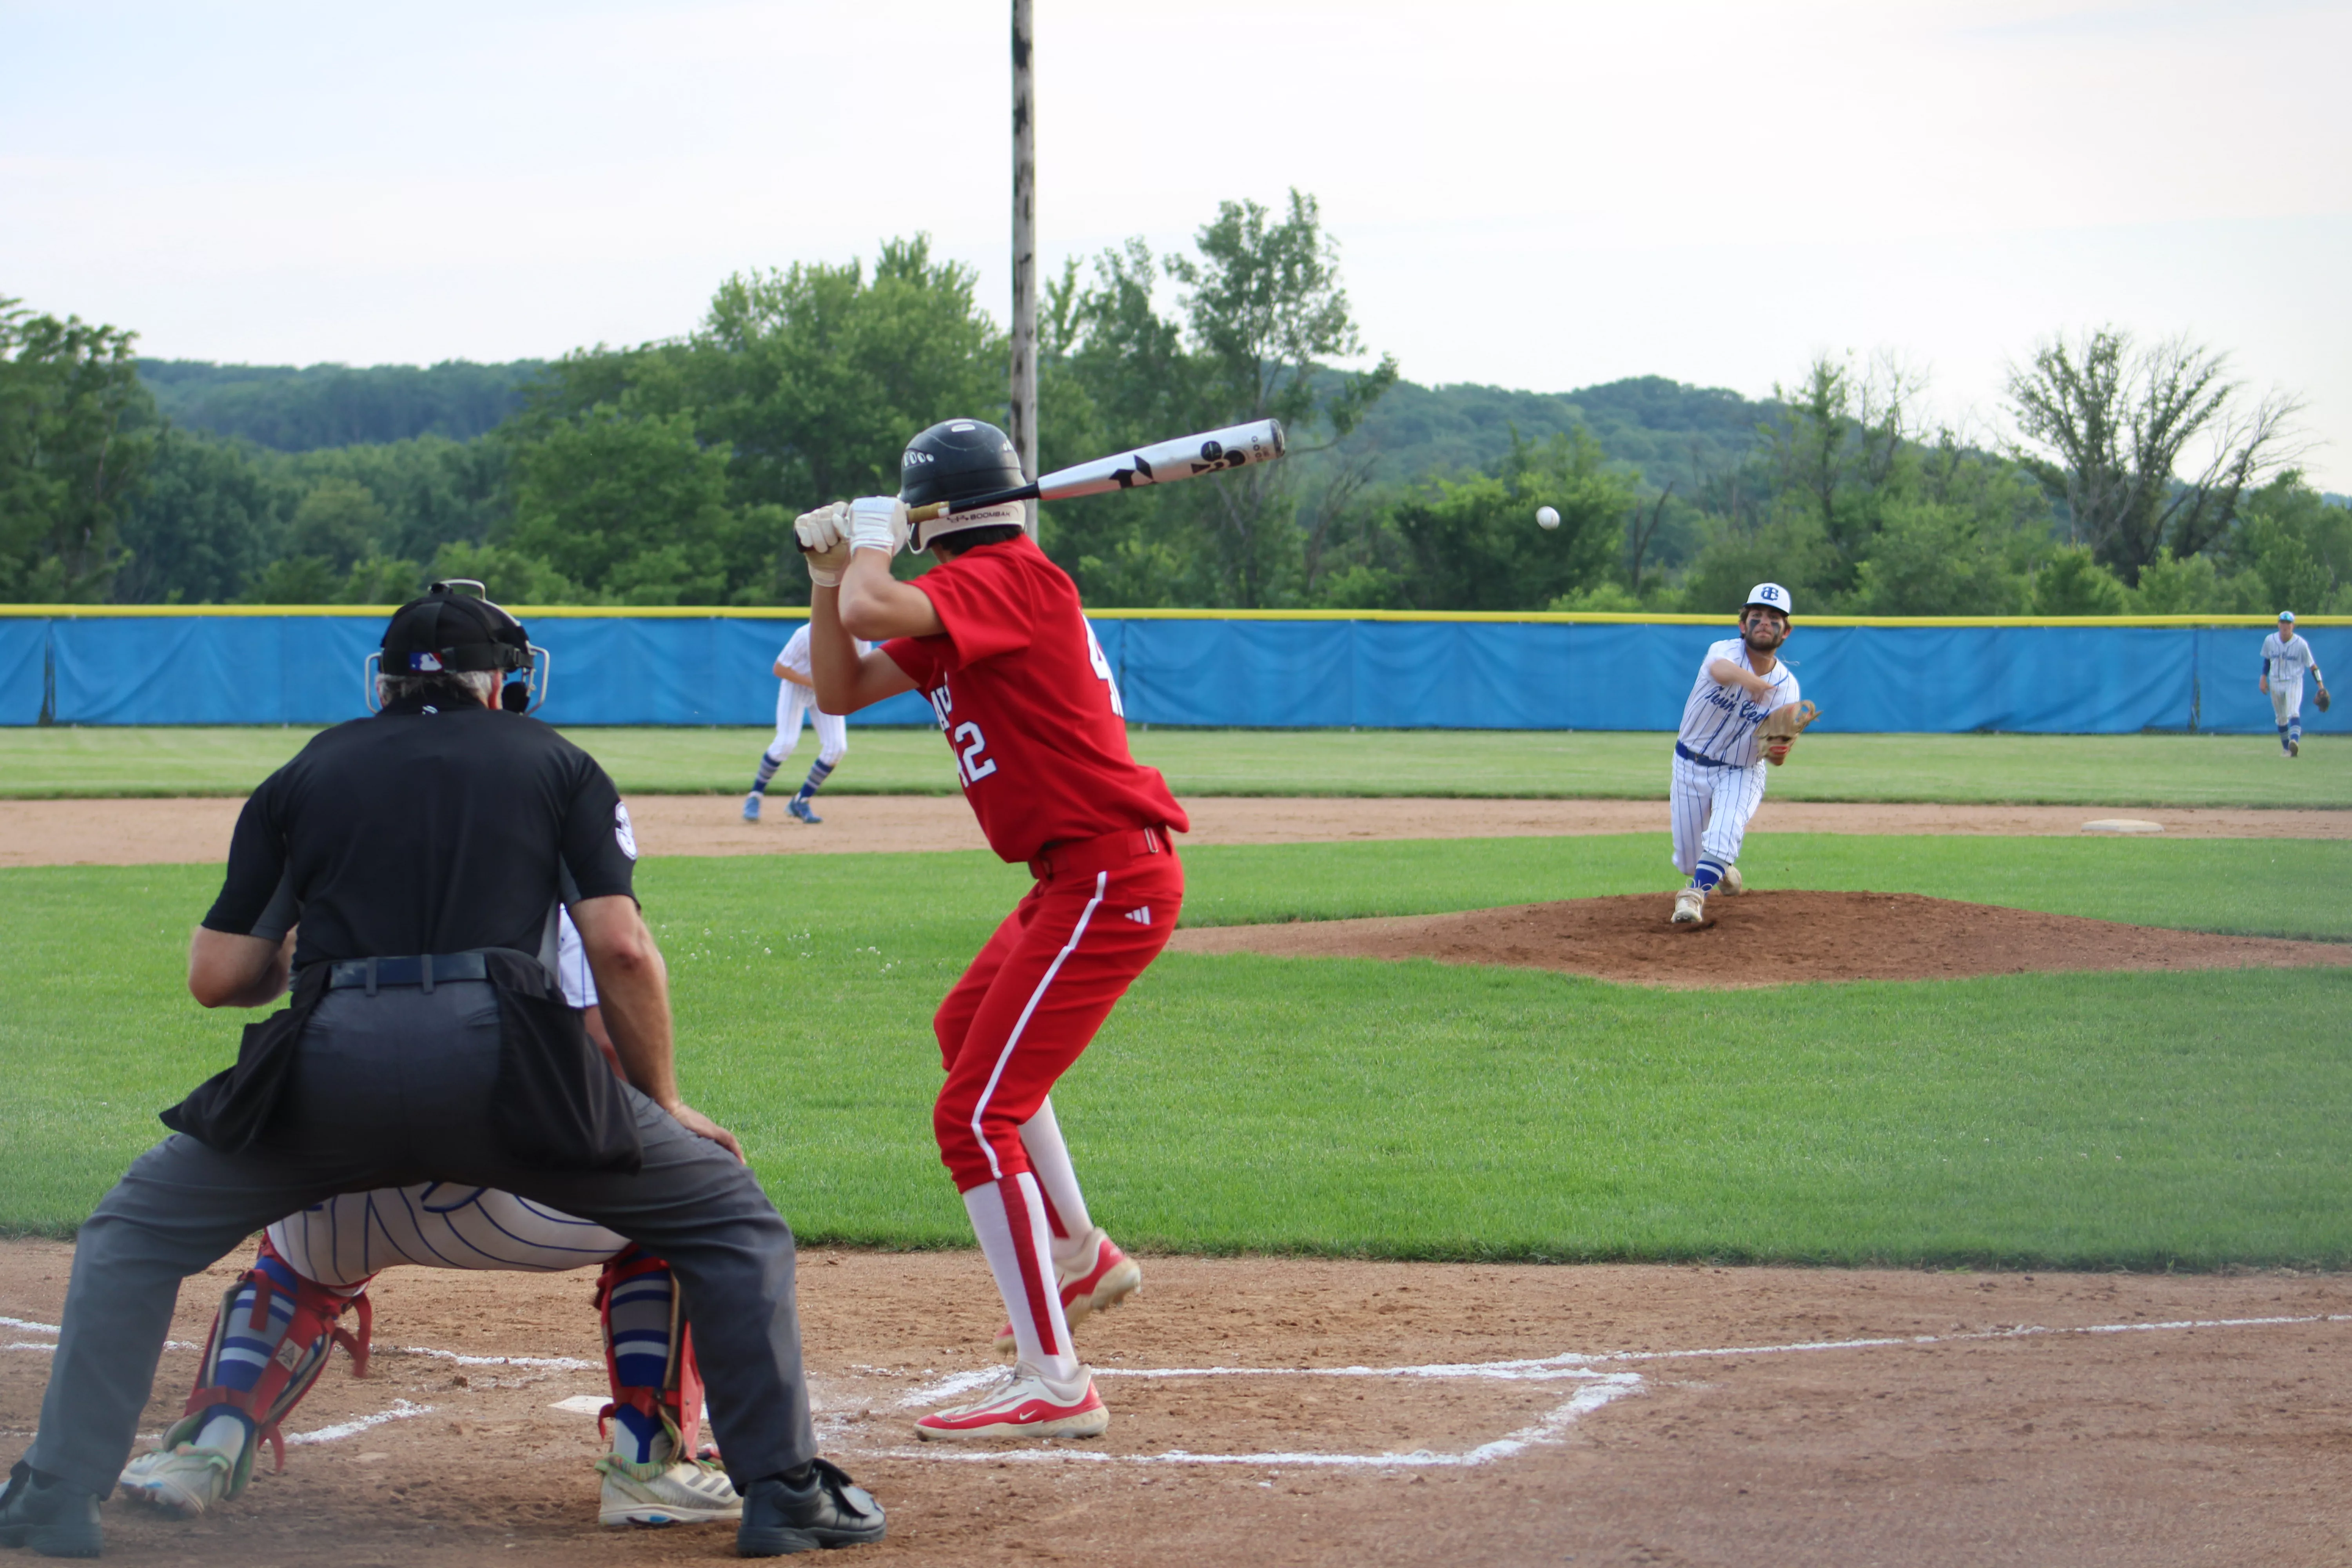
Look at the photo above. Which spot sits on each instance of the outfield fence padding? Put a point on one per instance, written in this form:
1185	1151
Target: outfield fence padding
71	666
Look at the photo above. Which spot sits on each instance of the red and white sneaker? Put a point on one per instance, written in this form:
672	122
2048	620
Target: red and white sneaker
1099	1275
1020	1407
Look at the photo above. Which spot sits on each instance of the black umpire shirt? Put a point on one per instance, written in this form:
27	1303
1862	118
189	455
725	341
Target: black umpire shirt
418	831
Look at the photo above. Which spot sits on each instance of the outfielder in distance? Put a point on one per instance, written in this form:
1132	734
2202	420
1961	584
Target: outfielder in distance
795	696
1729	731
2284	659
993	635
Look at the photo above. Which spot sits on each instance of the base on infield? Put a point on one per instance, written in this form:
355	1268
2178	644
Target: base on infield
1766	939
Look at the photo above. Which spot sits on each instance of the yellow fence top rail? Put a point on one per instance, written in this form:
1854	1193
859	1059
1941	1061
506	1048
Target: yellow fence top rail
794	613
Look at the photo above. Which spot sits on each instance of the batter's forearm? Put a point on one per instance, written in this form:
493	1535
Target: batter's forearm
796	678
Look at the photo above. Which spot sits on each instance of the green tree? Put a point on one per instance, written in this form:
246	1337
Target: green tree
635	507
2074	583
2105	423
76	432
203	526
815	377
1475	542
1261	316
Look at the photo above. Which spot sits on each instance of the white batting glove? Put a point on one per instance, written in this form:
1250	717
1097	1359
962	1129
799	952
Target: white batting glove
878	522
823	537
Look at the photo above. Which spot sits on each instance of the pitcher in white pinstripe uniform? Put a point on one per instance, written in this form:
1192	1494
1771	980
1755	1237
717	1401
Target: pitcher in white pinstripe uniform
1718	761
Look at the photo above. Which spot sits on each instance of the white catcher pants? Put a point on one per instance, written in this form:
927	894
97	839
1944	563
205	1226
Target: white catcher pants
1712	807
435	1225
832	731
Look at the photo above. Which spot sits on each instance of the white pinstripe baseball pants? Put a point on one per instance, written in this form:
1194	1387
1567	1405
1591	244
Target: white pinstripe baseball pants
1712	808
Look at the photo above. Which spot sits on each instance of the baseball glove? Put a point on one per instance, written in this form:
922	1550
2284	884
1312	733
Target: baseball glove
2323	700
1783	726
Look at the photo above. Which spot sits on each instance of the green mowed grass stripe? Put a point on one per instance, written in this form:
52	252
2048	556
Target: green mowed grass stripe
2094	770
1407	1110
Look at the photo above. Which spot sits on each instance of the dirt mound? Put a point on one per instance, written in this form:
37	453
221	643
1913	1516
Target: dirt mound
1766	939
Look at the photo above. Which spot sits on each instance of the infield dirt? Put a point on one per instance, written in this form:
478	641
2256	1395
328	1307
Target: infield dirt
2050	1419
137	832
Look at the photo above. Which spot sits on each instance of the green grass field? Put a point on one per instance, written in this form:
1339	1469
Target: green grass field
2094	770
1411	1110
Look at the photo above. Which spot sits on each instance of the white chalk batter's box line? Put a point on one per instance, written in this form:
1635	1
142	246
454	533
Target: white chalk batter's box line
1600	1388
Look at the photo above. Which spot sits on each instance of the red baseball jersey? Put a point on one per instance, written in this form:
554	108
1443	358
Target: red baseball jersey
1028	704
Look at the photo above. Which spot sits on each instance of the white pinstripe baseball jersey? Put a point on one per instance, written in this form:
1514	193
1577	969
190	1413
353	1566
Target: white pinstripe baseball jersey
1719	722
2283	663
571	964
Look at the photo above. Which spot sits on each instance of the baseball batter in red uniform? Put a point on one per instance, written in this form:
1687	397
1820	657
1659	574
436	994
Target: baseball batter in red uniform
993	635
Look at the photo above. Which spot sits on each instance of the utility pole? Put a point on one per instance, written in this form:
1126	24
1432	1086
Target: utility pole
1024	250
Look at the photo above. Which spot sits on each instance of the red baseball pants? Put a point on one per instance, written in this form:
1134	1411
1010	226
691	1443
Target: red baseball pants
1032	999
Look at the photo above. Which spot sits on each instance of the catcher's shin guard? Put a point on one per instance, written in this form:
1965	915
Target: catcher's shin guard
270	1342
649	1356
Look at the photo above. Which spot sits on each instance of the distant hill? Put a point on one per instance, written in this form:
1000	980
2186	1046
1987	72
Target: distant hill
303	409
1668	430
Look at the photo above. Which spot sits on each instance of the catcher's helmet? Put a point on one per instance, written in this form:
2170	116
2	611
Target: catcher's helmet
1771	595
955	460
449	630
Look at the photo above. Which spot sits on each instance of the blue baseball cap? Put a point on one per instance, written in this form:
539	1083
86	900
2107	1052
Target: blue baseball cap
2286	615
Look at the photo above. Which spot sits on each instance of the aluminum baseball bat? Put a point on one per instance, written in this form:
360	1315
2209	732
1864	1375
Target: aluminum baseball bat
1186	457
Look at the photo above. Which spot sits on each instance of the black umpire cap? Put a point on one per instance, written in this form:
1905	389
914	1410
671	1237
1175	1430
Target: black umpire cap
449	630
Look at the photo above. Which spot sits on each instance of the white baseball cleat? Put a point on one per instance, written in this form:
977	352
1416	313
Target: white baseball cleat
666	1492
1100	1275
185	1479
1023	1405
1690	907
1731	882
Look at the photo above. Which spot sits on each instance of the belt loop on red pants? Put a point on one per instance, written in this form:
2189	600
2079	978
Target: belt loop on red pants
1085	856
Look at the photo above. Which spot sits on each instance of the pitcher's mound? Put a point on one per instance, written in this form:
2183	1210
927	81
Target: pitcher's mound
1766	939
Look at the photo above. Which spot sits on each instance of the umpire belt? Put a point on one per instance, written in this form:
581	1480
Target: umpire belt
1085	856
425	970
1686	755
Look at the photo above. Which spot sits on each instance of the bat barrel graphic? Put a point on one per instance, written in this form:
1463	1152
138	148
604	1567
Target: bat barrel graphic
1186	457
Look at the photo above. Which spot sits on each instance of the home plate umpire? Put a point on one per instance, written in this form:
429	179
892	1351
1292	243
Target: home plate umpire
428	847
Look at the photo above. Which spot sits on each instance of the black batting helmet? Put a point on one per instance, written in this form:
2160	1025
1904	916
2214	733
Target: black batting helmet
955	460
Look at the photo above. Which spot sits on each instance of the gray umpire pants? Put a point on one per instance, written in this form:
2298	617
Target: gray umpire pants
390	1091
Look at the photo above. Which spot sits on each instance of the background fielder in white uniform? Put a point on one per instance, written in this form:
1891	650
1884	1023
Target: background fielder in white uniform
2284	659
797	696
1719	774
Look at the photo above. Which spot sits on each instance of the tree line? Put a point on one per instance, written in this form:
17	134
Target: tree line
2132	476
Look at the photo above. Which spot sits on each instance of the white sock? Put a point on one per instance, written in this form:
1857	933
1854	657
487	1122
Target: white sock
1049	1158
1018	1252
226	1430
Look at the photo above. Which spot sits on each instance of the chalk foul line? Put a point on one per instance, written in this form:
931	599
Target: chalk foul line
402	1410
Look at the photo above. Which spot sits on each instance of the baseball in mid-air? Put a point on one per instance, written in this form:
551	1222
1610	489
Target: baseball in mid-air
1547	517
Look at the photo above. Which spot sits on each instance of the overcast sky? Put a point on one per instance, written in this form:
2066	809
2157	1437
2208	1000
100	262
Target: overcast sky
1537	195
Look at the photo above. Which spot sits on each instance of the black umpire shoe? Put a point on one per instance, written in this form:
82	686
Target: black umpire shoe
826	1509
60	1521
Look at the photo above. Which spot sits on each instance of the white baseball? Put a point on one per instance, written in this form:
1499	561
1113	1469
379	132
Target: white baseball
1547	517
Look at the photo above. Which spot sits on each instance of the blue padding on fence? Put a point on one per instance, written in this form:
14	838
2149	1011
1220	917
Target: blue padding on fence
621	670
24	659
